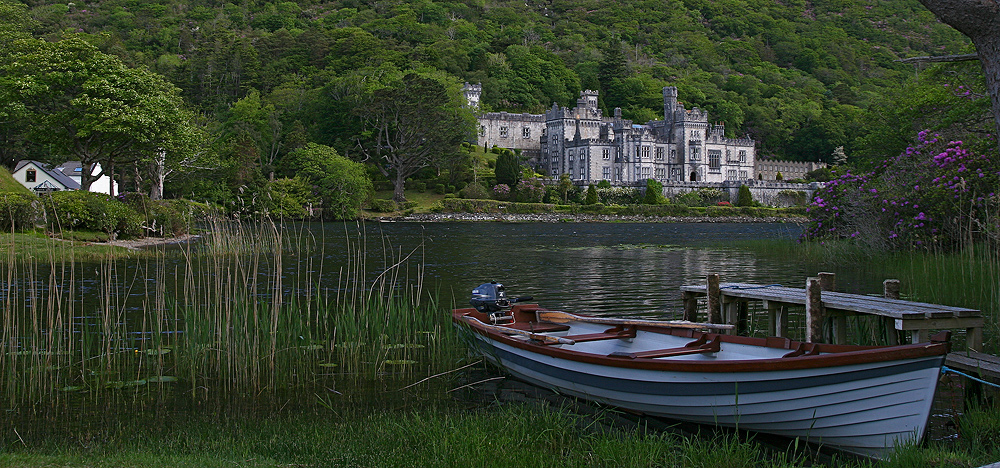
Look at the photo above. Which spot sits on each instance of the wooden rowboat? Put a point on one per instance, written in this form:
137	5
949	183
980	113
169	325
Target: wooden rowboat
859	399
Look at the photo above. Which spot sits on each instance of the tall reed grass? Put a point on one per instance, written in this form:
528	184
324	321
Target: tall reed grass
249	310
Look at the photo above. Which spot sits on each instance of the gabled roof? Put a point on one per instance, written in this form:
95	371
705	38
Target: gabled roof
63	179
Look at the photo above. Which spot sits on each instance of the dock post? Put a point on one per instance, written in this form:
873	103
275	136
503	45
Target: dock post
890	290
814	311
690	306
777	318
742	318
714	299
838	322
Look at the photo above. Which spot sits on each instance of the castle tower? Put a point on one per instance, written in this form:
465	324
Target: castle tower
472	94
589	98
669	103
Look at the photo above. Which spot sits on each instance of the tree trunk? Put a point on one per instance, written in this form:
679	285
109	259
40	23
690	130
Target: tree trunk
980	21
159	171
988	46
399	185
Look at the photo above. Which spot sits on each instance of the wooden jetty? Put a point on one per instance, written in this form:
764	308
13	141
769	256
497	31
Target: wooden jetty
827	312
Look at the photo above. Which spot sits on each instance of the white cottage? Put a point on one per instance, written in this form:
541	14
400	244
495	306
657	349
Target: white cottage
74	170
39	178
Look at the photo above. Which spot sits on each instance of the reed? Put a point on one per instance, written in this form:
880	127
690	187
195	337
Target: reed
245	312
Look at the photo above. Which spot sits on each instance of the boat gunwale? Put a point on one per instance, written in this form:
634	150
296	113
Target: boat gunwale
836	355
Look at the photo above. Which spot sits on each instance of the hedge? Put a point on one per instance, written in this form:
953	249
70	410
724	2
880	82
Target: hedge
18	211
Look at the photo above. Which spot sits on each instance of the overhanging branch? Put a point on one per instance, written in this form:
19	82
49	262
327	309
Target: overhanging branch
940	58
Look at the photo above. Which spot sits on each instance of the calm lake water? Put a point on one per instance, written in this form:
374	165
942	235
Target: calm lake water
622	268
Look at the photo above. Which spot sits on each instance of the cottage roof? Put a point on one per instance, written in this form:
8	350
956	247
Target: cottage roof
58	176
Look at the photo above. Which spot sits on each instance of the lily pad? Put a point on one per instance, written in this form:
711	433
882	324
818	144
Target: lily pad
158	352
400	362
327	364
72	388
124	384
404	346
161	379
312	347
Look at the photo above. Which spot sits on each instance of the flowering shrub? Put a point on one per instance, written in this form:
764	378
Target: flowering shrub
935	193
619	195
723	203
530	191
501	191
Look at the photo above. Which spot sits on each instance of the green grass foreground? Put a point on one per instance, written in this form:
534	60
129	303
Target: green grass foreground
516	435
509	436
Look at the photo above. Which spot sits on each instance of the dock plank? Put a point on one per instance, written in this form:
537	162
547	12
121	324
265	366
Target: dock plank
986	365
875	305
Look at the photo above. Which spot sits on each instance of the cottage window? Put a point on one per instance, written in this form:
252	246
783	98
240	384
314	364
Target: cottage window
695	153
659	154
503	132
482	130
526	132
743	175
606	172
743	156
606	154
30	175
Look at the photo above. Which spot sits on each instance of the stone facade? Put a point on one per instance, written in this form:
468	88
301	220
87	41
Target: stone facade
590	147
768	169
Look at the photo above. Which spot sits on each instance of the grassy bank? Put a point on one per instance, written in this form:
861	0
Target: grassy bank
515	435
41	247
522	435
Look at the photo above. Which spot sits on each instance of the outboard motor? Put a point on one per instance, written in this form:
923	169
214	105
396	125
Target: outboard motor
491	298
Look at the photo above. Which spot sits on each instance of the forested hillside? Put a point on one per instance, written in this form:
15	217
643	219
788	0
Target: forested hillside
265	78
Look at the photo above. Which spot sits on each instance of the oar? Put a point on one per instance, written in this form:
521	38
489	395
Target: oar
514	331
555	316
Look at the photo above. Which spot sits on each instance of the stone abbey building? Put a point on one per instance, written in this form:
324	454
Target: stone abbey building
590	147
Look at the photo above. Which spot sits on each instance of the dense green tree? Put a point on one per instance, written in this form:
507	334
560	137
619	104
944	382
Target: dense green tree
508	170
342	185
654	192
565	185
88	105
591	195
744	197
410	123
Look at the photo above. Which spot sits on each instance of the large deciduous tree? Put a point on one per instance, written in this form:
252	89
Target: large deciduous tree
980	21
89	105
342	184
410	123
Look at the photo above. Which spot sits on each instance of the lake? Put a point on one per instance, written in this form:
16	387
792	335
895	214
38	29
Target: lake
594	268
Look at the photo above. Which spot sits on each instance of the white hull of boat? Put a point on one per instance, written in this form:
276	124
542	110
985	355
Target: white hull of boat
862	408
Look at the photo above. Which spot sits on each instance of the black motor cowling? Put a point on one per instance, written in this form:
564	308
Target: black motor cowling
489	297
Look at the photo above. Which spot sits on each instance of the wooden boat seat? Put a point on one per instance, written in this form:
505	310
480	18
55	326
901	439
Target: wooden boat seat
804	349
619	332
701	345
537	327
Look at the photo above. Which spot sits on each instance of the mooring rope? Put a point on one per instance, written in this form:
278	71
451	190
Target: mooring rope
946	369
